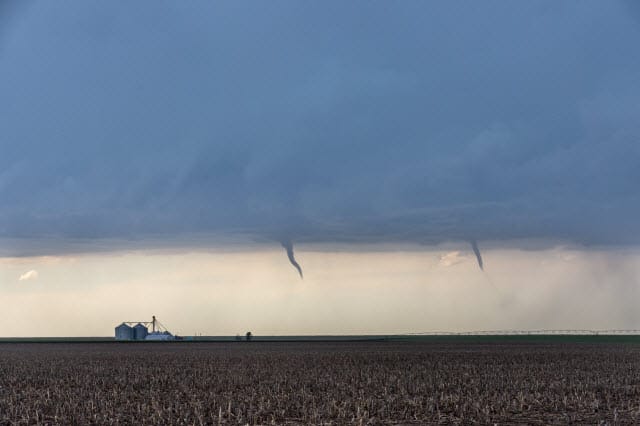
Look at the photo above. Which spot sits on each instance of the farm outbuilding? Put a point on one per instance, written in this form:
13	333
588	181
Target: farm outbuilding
160	335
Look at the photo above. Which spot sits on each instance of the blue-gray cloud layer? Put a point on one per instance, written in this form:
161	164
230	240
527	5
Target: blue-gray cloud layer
330	121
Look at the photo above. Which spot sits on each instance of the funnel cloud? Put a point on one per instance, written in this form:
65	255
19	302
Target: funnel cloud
476	251
288	246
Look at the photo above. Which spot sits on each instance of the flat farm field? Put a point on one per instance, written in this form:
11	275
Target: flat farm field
319	383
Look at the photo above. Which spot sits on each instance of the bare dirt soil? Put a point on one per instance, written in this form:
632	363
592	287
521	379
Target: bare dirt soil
319	383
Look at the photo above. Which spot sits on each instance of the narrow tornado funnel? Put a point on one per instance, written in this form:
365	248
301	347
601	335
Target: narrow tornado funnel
476	250
288	246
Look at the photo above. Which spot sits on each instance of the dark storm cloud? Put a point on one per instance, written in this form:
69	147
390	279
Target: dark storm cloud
356	122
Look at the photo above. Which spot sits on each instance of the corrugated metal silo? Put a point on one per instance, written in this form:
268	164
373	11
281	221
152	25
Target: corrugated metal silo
140	332
124	332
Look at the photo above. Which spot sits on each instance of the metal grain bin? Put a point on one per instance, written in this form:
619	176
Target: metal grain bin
124	332
140	332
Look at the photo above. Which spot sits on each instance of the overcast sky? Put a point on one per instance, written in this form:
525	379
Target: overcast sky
130	125
358	121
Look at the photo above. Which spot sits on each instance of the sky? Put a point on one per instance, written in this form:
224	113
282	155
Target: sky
171	151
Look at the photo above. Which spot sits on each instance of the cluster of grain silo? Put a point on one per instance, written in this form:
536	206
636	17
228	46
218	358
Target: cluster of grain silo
139	330
126	332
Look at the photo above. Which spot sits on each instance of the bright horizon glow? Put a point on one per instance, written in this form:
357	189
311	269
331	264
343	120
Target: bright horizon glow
344	291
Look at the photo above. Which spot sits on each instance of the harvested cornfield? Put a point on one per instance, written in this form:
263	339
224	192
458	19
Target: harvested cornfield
319	383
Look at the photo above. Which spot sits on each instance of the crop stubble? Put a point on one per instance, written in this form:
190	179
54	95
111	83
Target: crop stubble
319	383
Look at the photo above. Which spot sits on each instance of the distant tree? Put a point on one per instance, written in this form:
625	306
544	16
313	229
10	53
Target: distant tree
238	337
249	336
